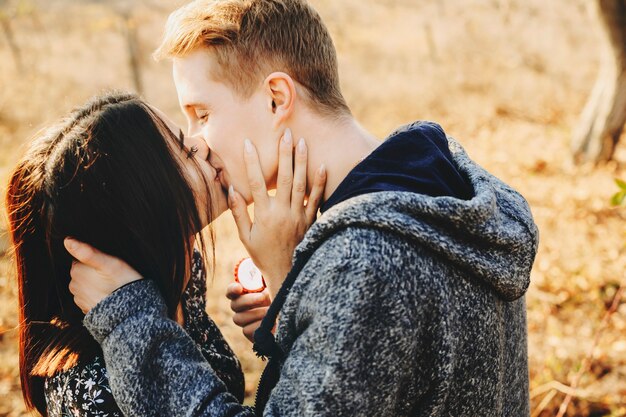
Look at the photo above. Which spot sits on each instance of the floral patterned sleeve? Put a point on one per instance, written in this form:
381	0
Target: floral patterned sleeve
81	391
206	334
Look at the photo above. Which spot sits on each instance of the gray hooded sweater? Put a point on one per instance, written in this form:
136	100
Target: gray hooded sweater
406	305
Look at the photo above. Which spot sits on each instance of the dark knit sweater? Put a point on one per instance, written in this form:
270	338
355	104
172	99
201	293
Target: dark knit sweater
406	305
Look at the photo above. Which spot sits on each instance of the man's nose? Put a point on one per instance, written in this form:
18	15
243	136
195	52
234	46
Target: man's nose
193	129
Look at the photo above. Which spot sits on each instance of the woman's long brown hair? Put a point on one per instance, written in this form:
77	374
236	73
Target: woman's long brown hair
109	176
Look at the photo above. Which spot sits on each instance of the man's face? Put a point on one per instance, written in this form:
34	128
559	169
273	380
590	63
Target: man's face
224	119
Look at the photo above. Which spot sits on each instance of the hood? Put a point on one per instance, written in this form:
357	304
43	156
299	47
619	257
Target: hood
414	158
491	236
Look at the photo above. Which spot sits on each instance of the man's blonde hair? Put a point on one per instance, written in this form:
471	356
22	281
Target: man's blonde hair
252	38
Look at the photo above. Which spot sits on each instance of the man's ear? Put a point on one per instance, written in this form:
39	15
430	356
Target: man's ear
281	96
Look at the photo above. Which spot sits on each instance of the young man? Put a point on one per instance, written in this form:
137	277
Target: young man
405	298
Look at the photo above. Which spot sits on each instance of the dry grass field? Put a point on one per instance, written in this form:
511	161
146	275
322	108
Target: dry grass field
508	78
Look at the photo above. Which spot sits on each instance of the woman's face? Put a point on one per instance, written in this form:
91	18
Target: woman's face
194	157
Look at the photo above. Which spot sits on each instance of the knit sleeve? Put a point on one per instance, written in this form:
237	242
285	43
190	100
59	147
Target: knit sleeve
82	391
154	366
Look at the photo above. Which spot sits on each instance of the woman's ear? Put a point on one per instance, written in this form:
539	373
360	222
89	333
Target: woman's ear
281	96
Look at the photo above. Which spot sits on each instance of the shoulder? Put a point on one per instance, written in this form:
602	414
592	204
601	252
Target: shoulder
83	390
360	258
377	262
368	247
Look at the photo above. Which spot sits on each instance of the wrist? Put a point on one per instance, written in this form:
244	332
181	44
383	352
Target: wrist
124	285
138	296
274	279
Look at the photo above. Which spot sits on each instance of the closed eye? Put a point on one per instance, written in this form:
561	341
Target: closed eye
202	115
192	151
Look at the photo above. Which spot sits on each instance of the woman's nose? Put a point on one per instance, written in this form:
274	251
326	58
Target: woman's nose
198	142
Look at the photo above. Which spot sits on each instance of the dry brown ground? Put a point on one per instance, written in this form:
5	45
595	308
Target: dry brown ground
506	77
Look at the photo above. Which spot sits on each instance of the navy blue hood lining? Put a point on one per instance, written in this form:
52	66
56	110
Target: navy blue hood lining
415	158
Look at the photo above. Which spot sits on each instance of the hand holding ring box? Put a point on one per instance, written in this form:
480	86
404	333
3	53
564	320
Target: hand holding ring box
249	276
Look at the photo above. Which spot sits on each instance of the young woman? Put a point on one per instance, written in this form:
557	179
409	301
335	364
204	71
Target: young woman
118	175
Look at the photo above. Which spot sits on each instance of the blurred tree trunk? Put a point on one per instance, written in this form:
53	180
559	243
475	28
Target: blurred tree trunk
132	46
5	24
603	118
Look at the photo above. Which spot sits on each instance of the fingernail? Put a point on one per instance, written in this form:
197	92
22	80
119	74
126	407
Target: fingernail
70	243
287	138
301	146
231	193
322	170
249	148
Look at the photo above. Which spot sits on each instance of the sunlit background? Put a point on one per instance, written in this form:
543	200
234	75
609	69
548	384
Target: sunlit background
507	78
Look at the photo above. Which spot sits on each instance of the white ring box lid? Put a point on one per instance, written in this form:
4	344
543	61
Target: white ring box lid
249	276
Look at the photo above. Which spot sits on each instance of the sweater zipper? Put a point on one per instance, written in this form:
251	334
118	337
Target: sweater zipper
258	394
279	301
